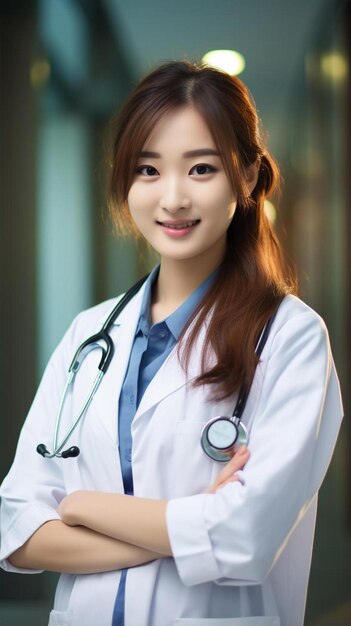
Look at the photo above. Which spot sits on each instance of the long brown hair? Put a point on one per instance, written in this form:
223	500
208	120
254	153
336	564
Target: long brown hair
253	277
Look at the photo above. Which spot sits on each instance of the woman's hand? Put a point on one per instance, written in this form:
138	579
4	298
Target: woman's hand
228	473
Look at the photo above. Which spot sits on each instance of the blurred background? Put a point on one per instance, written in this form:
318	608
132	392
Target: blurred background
65	67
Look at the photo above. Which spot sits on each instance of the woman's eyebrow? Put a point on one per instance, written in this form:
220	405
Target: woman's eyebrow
191	153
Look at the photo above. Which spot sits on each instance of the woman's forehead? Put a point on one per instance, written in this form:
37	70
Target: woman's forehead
184	128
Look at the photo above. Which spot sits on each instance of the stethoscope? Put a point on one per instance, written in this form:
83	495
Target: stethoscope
222	434
219	436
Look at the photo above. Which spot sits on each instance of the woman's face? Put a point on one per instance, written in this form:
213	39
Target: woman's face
180	198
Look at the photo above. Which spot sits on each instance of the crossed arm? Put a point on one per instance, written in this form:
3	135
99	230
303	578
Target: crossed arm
101	532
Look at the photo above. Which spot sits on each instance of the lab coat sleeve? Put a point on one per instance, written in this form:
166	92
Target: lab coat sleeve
34	486
235	535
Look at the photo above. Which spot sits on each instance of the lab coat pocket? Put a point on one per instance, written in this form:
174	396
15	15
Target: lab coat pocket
60	618
228	621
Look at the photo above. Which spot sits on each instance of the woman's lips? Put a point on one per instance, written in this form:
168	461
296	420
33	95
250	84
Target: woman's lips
178	228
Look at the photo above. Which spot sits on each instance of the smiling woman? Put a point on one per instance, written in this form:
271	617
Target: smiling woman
202	113
167	533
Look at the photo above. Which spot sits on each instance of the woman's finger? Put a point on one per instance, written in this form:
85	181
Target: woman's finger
235	464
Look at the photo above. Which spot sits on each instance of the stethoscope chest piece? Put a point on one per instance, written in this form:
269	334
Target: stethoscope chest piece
221	436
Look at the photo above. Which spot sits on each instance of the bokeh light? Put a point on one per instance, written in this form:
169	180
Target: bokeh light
229	61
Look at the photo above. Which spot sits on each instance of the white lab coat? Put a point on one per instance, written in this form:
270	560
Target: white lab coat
242	555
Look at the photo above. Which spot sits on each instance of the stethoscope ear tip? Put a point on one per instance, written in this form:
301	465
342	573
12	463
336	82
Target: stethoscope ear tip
65	454
42	449
71	452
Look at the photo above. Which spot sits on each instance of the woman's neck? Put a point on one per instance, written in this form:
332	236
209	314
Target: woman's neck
176	281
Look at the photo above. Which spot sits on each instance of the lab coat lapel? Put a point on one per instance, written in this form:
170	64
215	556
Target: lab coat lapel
171	375
122	334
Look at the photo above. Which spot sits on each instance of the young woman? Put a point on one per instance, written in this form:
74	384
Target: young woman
147	528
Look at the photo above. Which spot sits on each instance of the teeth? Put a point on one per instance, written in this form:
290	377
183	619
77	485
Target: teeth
179	226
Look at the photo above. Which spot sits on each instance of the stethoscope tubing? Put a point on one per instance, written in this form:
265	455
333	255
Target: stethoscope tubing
107	353
58	447
244	392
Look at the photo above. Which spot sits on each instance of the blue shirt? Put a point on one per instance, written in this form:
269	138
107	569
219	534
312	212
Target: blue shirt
152	344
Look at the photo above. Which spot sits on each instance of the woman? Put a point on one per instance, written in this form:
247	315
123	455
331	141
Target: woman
201	542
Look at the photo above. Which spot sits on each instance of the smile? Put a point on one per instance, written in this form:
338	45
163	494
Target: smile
178	225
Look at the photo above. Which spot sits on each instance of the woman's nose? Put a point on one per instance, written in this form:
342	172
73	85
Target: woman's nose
174	197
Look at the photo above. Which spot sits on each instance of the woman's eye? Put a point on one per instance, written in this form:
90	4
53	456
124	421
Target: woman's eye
146	170
202	168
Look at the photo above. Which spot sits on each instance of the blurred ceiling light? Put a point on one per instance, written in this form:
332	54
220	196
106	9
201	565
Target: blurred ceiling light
40	73
227	60
270	211
334	66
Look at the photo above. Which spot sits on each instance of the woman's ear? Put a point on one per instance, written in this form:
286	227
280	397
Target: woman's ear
252	175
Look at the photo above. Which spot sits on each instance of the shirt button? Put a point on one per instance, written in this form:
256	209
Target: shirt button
162	334
129	457
132	398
